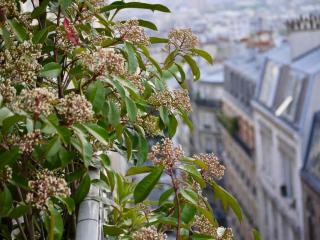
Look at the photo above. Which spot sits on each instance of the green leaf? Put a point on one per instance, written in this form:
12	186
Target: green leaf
65	3
169	61
205	55
128	145
18	211
5	202
98	132
63	132
197	236
187	213
143	149
164	115
85	148
256	234
145	186
51	70
148	24
8	157
194	173
131	109
83	189
56	224
111	230
19	30
114	115
6	36
165	195
181	71
172	127
68	202
190	195
53	147
139	170
151	59
122	5
11	121
96	95
132	59
227	200
186	119
155	40
194	67
40	36
41	9
4	113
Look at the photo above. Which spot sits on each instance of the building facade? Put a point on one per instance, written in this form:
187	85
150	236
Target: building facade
310	177
286	100
237	127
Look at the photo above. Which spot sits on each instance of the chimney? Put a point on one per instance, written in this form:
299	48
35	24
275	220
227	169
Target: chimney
304	35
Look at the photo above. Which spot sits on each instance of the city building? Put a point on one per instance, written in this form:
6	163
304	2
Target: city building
237	128
310	177
206	97
286	100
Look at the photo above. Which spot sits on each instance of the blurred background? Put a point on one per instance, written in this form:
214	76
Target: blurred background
257	107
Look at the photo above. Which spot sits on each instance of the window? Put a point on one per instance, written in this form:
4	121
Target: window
269	84
289	96
287	155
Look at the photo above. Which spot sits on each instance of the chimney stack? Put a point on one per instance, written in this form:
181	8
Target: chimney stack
304	34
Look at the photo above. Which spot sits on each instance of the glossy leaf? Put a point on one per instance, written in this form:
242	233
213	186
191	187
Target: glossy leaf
204	54
189	195
122	5
194	173
227	200
139	170
145	186
132	59
51	70
82	190
56	225
98	132
5	202
194	67
165	195
111	230
8	157
19	30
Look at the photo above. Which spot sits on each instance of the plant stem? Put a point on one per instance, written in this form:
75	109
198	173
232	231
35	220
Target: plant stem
176	192
21	230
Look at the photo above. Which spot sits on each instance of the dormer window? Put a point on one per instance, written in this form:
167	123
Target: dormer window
269	84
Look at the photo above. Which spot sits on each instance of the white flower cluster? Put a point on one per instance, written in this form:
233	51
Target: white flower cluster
183	39
104	60
19	63
148	233
36	101
75	108
45	186
132	32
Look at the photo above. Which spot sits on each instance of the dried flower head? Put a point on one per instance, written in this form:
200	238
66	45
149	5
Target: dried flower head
183	39
19	63
46	185
7	92
136	80
8	8
181	100
27	142
104	60
204	226
5	174
215	169
165	154
148	233
150	124
36	101
176	99
132	32
75	108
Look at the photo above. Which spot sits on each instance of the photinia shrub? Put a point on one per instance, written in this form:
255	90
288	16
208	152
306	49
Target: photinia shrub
75	84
